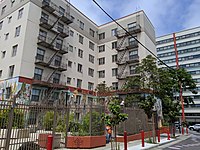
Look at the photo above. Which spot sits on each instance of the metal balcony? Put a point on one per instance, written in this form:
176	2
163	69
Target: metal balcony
53	65
66	18
132	30
63	32
46	23
49	6
133	59
45	41
61	48
132	44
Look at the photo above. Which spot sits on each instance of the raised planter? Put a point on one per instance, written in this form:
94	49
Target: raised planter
42	140
85	141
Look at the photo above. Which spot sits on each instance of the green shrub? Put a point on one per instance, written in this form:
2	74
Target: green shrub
48	120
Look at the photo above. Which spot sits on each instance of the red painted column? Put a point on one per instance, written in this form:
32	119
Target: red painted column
142	137
168	135
125	140
158	134
187	130
182	130
49	142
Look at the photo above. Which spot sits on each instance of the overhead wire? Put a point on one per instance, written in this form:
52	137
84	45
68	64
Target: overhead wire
127	32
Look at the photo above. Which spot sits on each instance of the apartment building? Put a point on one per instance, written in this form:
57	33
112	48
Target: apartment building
50	50
188	48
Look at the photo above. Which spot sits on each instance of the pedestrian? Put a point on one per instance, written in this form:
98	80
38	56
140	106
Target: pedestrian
108	133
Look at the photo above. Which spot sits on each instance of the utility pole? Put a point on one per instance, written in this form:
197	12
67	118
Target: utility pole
180	84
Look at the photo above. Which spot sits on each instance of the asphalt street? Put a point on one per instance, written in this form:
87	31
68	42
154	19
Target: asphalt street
191	142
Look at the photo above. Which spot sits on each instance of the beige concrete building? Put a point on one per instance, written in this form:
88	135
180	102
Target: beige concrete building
49	49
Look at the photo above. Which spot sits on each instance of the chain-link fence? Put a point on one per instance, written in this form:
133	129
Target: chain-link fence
24	126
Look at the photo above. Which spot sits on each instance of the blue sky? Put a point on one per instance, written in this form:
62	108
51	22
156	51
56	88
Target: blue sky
167	16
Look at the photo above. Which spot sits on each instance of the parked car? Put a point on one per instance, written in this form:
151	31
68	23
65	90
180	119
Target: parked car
195	127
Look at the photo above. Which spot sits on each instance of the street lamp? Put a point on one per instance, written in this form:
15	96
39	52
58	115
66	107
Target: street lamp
122	104
153	122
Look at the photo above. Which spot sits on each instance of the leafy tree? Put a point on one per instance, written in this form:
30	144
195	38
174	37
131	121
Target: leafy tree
115	117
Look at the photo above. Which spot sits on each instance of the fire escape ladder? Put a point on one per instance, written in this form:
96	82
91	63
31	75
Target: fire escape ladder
54	38
55	22
121	57
121	43
122	71
52	57
50	77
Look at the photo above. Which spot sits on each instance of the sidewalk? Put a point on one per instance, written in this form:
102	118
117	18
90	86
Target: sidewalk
135	145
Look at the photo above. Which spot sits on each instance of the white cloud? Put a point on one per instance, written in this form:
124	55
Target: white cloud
167	16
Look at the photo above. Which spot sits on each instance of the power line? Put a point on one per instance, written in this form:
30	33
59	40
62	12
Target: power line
133	36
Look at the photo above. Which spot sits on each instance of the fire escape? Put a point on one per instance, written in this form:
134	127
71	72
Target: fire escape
57	28
127	52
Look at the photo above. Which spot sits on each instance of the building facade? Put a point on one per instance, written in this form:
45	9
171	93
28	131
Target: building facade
188	48
50	50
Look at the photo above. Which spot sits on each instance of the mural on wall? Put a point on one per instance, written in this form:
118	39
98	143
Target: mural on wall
10	88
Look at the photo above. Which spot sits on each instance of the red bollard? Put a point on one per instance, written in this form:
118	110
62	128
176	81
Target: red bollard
168	135
186	130
142	136
49	142
125	140
182	130
158	134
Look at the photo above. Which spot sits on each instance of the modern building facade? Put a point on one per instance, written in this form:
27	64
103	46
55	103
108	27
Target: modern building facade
50	50
188	47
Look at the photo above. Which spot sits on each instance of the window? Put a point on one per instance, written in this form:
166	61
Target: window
12	2
71	33
40	54
69	80
60	27
59	43
8	92
56	78
42	35
1	73
102	74
3	10
102	61
80	39
132	69
91	72
57	60
9	19
101	48
115	85
80	68
17	31
131	26
44	17
91	32
131	41
91	58
114	45
81	25
35	95
20	13
80	53
1	25
61	11
6	36
114	58
3	54
70	48
79	83
38	74
102	36
133	54
91	45
90	86
11	71
114	32
14	50
114	72
69	64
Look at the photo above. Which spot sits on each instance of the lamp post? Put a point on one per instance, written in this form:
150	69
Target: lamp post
122	104
153	122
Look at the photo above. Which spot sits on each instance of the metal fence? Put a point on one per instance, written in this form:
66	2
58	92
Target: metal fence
29	125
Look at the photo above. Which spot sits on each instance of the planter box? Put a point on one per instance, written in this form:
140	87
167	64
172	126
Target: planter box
15	133
85	141
42	140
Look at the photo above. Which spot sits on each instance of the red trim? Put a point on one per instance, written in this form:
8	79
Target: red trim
25	80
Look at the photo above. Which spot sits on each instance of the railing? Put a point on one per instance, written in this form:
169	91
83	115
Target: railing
131	30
